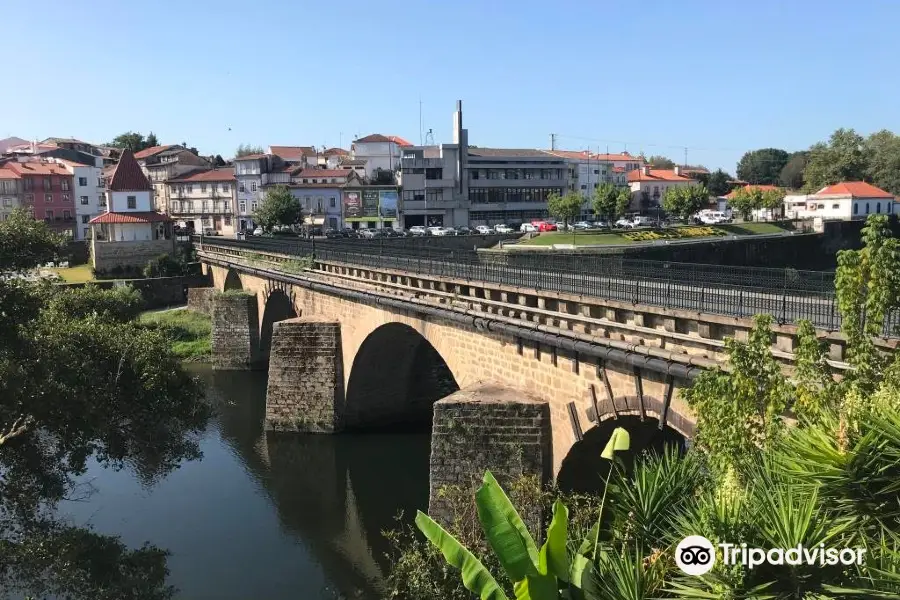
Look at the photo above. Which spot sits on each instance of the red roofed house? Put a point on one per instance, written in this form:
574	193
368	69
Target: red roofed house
162	163
204	200
10	192
130	233
648	185
851	200
304	156
381	152
47	191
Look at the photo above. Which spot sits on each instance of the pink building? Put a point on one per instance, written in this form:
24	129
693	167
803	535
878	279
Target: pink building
47	190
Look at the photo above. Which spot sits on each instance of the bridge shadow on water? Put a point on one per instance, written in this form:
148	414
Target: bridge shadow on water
332	493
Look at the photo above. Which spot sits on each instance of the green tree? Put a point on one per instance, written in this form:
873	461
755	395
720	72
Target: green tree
883	169
661	162
130	140
762	167
610	201
26	242
843	158
773	201
151	140
791	176
684	201
717	183
279	207
746	199
79	380
247	150
566	207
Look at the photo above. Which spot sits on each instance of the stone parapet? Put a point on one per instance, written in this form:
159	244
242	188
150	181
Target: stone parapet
235	332
486	427
200	299
306	377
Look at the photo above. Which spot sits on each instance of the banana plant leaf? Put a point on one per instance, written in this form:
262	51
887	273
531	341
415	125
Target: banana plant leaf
475	575
505	531
554	558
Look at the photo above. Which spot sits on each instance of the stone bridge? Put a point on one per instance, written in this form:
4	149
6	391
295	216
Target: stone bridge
516	380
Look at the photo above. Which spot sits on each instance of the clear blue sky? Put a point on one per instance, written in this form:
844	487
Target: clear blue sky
719	76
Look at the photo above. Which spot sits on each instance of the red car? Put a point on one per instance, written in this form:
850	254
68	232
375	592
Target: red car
544	226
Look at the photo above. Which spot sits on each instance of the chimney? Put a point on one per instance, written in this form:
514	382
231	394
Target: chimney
677	170
645	170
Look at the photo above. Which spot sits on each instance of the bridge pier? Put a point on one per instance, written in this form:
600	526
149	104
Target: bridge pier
486	427
235	332
305	392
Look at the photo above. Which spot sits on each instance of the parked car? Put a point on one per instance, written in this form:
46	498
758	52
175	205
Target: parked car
436	230
484	230
599	225
463	230
642	221
368	233
210	231
528	228
418	230
334	234
622	223
501	228
582	225
711	217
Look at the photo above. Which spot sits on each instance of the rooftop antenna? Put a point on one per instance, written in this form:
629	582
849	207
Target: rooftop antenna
429	138
553	141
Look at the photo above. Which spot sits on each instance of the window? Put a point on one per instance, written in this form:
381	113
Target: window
241	187
867	208
888	209
26	185
203	188
835	205
437	173
855	208
65	197
878	208
87	232
7	202
242	206
253	206
85	219
64	184
252	186
83	199
48	215
99	182
597	172
48	197
332	203
132	202
46	184
224	187
227	220
82	181
67	215
189	188
583	186
473	174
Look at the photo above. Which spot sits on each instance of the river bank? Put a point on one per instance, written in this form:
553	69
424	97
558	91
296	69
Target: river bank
191	332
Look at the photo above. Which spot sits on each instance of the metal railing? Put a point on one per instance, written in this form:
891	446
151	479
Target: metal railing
788	295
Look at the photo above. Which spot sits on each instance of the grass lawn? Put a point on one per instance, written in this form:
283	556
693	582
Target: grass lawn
586	238
190	331
78	274
752	228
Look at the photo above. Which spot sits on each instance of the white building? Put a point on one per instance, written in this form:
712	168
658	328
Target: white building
379	151
204	201
648	186
90	193
845	200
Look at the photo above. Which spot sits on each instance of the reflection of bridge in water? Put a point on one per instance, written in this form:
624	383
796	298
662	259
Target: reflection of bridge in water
335	494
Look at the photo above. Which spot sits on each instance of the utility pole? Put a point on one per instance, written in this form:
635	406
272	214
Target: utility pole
685	157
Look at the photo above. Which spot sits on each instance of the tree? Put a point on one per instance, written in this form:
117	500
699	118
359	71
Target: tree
684	201
279	207
661	162
151	140
247	150
717	183
773	201
217	160
791	176
566	207
80	380
130	140
762	166
746	199
610	201
883	169
842	158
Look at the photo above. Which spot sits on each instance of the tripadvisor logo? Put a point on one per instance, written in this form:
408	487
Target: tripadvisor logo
696	555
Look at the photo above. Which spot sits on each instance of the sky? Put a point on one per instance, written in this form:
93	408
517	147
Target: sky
718	77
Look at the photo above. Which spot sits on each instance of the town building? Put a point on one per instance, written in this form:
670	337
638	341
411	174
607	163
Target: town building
89	194
648	186
304	156
320	195
622	160
204	201
846	200
47	191
587	171
252	173
10	192
431	192
381	153
162	163
370	206
331	158
130	233
357	165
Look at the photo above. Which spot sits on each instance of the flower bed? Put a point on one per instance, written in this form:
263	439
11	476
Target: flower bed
672	234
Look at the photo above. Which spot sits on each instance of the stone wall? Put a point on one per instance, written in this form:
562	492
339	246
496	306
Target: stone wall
158	292
107	255
235	332
200	299
306	380
486	427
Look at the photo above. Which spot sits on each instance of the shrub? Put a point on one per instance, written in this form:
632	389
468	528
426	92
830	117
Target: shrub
164	265
120	304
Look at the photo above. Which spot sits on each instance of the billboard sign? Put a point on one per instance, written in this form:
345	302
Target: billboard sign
388	204
352	205
370	203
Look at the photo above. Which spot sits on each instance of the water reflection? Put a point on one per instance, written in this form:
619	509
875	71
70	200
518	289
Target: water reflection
269	515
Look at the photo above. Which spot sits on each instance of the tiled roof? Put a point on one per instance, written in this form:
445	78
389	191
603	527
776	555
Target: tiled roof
354	162
292	153
854	189
513	152
762	188
151	151
313	173
399	140
656	175
128	176
251	157
222	174
130	217
8	174
336	151
375	137
619	157
34	167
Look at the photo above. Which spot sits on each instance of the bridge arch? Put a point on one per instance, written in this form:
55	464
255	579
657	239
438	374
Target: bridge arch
278	306
232	281
395	378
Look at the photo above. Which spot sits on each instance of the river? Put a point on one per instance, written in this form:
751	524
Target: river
264	515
